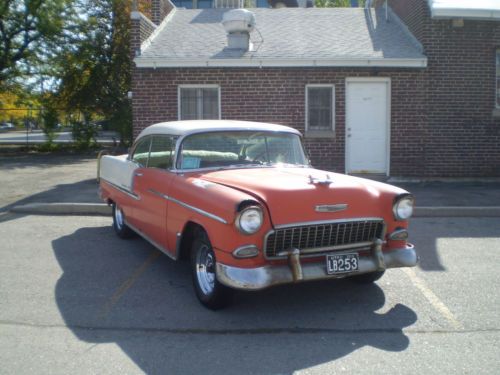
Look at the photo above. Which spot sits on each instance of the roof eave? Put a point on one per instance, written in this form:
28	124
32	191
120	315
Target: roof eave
470	14
142	62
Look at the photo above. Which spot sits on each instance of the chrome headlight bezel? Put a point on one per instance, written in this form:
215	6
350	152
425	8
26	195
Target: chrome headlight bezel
403	207
245	227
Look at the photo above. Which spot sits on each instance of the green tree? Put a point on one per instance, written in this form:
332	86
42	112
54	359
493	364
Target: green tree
28	29
50	120
332	3
95	66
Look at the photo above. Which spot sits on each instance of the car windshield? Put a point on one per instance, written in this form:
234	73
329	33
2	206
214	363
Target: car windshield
240	148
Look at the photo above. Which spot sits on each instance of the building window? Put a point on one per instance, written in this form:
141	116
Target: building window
498	78
199	102
320	108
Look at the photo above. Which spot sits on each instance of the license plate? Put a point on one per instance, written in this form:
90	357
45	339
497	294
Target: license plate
341	263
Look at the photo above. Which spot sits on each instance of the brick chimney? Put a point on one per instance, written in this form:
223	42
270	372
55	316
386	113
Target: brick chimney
142	26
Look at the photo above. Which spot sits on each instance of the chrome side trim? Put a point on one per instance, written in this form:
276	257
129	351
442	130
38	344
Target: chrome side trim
155	244
122	189
188	206
267	276
331	207
198	210
157	193
319	222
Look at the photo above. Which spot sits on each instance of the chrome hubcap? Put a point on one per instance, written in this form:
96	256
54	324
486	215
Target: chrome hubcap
118	217
205	270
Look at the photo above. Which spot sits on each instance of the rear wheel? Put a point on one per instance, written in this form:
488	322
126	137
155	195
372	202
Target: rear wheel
210	292
367	278
121	229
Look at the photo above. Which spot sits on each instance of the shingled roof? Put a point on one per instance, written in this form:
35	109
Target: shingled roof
284	37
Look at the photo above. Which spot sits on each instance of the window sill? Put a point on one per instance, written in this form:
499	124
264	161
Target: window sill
496	112
320	134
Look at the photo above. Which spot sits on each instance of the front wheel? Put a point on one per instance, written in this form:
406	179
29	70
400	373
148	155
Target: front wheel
367	278
210	292
121	229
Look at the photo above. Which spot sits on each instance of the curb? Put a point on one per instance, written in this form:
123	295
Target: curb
105	210
457	211
64	209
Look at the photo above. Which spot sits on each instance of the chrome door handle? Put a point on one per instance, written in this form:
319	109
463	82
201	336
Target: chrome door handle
138	174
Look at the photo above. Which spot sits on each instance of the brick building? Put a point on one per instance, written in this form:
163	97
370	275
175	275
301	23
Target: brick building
411	90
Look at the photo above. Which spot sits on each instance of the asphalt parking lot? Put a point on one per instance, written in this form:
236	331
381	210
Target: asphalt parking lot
76	299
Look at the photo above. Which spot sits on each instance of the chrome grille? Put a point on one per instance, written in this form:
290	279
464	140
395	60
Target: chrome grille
323	237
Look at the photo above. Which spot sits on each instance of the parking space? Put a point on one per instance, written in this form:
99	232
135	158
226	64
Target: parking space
80	300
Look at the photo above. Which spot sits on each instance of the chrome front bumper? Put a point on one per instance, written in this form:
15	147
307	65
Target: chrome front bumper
264	277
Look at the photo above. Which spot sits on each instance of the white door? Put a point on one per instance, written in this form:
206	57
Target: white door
367	125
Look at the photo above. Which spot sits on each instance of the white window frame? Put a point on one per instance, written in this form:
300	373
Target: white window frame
315	132
194	86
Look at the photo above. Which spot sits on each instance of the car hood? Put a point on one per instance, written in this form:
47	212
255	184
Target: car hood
293	195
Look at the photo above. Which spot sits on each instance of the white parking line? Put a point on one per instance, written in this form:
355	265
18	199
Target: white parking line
432	298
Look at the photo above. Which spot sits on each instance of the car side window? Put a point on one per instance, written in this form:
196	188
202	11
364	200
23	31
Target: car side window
161	153
141	152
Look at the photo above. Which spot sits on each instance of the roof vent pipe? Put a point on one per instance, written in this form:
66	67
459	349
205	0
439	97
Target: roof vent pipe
238	24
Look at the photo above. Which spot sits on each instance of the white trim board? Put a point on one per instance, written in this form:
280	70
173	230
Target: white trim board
145	62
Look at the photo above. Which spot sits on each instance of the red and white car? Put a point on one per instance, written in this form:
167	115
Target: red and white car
240	200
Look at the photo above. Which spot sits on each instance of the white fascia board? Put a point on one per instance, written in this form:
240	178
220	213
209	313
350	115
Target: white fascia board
279	63
466	9
472	14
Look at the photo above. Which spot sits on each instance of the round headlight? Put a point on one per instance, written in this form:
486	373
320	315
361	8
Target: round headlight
250	220
403	207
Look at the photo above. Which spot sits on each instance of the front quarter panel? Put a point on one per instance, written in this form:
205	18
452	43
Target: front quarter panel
214	207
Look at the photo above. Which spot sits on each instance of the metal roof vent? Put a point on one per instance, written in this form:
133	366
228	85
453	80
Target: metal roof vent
238	24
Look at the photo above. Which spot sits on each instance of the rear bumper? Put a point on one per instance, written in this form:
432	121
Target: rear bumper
264	277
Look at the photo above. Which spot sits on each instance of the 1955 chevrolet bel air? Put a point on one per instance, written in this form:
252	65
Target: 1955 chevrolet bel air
241	202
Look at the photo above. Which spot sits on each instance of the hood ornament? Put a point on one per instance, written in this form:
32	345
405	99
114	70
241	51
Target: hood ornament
320	181
331	207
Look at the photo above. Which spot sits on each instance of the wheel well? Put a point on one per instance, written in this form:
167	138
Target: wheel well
190	232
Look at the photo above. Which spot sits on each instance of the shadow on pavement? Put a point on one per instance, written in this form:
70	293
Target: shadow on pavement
431	230
123	292
84	191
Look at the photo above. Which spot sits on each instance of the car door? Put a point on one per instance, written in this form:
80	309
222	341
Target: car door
151	184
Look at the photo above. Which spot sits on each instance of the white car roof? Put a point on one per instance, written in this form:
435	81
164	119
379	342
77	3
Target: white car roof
181	128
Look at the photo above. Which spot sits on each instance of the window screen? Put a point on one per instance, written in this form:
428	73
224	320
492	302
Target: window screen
199	103
320	108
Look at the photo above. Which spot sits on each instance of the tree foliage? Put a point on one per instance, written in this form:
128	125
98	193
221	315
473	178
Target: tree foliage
95	66
28	30
332	3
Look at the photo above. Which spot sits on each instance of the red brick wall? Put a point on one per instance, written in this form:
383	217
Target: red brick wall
160	9
462	137
278	96
140	30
